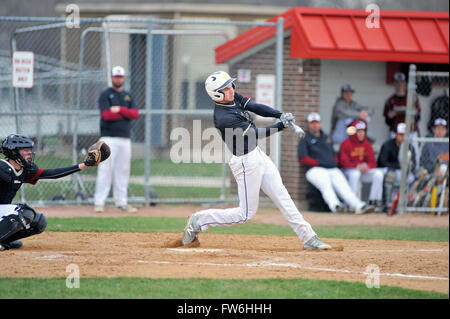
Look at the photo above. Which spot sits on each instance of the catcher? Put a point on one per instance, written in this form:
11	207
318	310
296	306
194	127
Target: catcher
20	220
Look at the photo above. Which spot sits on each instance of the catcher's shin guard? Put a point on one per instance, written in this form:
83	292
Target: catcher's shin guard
35	223
10	225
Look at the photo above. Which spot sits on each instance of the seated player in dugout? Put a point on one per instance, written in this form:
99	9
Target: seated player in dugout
432	150
251	167
390	160
316	153
19	221
357	160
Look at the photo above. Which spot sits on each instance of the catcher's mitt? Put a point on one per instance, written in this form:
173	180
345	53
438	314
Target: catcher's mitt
97	153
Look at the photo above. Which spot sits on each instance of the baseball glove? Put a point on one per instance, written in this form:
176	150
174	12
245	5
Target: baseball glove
97	153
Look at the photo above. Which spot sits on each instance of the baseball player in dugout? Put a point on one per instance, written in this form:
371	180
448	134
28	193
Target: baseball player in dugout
118	109
251	167
390	160
18	221
316	153
395	111
357	160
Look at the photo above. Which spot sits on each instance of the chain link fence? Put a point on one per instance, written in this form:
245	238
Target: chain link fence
428	193
177	155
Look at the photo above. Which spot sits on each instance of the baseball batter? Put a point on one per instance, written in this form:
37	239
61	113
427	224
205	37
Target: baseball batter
20	220
251	167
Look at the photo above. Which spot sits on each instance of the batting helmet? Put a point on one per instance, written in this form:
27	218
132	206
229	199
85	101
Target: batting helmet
11	146
216	82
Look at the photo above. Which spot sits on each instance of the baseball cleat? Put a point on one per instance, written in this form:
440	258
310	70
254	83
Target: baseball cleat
99	209
191	230
340	209
366	209
127	208
15	244
316	244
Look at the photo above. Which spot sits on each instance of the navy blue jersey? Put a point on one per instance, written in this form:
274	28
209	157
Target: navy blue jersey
11	179
117	127
236	125
316	151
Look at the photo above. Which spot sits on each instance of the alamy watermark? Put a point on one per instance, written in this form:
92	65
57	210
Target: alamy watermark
73	16
206	145
373	19
73	279
373	276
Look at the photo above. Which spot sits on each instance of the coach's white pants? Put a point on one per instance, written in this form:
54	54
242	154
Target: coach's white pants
114	171
255	171
374	176
330	181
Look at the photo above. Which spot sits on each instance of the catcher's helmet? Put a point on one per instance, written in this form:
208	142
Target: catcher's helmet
216	82
11	146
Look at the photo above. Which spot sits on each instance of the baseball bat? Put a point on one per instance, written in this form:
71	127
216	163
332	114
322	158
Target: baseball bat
394	204
397	195
423	197
297	129
433	199
422	175
445	200
444	191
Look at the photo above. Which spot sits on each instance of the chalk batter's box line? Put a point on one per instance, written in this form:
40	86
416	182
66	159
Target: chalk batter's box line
293	265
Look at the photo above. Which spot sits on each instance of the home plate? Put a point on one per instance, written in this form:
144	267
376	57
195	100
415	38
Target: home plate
195	250
49	257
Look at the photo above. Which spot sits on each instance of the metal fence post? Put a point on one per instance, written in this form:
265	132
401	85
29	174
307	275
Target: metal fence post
279	82
107	53
408	121
148	106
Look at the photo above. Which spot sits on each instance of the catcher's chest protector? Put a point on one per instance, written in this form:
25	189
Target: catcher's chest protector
10	182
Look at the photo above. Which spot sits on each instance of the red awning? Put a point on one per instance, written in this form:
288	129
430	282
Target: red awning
323	33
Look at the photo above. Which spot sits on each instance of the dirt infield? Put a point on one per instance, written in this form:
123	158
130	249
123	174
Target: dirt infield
414	265
408	264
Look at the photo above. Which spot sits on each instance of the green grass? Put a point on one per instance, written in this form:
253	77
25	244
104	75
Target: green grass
165	167
179	191
158	167
177	224
48	190
196	288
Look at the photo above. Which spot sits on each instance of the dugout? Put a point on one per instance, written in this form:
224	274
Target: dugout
325	48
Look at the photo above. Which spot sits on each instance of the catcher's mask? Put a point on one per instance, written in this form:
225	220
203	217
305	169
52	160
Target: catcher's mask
13	144
216	82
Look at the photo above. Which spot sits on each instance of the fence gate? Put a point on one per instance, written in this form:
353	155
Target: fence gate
428	193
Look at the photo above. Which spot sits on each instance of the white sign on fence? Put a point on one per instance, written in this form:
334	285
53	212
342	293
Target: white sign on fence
244	75
265	89
23	69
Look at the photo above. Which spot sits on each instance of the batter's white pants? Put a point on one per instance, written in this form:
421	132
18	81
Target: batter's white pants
114	171
374	176
255	171
330	181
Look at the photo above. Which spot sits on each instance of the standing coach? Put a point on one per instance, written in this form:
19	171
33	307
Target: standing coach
118	109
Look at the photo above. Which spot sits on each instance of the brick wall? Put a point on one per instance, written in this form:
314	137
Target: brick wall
300	97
